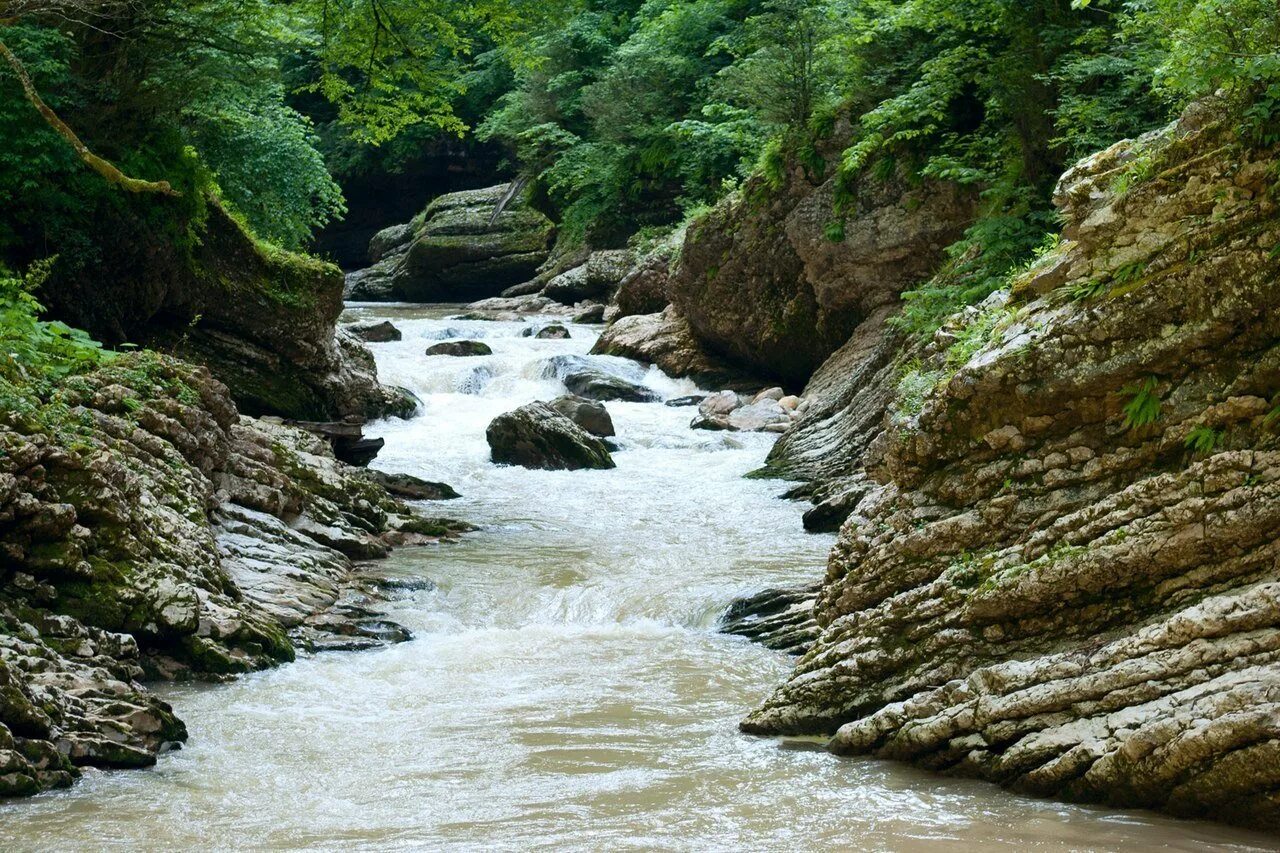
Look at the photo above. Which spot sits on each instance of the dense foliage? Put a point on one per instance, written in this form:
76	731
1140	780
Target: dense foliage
623	114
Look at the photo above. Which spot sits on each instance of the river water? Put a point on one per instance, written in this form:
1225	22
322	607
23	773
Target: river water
566	688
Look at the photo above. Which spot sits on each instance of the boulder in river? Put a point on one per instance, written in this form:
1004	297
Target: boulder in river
375	333
537	436
599	379
598	385
460	348
555	332
590	315
588	414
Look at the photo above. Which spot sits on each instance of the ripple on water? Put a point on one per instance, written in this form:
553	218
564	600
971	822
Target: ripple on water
565	689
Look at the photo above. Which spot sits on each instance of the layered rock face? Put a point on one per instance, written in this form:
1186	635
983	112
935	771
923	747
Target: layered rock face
1064	572
263	320
456	250
147	529
776	286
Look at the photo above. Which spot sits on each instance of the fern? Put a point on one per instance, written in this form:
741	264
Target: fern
1143	407
1203	439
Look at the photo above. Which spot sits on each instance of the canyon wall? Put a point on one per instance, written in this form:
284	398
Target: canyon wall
1061	567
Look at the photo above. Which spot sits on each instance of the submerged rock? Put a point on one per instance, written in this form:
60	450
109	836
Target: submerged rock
780	619
592	416
598	385
460	348
537	436
600	378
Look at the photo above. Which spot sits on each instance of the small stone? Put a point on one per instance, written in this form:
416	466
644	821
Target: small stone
769	394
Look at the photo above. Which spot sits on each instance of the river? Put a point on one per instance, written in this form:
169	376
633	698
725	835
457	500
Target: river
566	688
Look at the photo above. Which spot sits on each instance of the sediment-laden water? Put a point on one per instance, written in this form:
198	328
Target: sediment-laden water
566	688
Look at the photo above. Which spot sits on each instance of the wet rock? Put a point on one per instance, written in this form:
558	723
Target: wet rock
588	414
597	385
413	488
780	619
460	349
666	341
691	400
537	436
553	332
374	333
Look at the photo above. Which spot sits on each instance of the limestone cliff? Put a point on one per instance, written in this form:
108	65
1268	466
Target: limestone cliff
776	281
148	529
262	319
1062	572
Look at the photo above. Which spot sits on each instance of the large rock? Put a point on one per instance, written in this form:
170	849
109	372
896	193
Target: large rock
375	332
644	288
460	349
592	416
537	436
1063	574
460	252
666	340
595	279
776	286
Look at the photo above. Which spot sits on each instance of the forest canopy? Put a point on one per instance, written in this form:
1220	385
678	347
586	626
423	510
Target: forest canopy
624	115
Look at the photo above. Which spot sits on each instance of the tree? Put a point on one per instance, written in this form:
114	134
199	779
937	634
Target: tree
91	12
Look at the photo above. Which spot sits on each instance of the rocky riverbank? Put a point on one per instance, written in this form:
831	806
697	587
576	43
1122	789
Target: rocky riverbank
1059	570
150	531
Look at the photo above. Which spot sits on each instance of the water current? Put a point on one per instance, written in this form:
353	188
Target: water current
566	688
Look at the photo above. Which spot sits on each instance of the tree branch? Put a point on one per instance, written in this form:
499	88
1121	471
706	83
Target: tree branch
103	167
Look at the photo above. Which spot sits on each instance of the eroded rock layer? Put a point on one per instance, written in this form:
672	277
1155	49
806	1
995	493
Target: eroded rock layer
1063	571
777	286
149	530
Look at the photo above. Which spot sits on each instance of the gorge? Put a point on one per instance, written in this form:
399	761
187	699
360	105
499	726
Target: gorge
752	423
